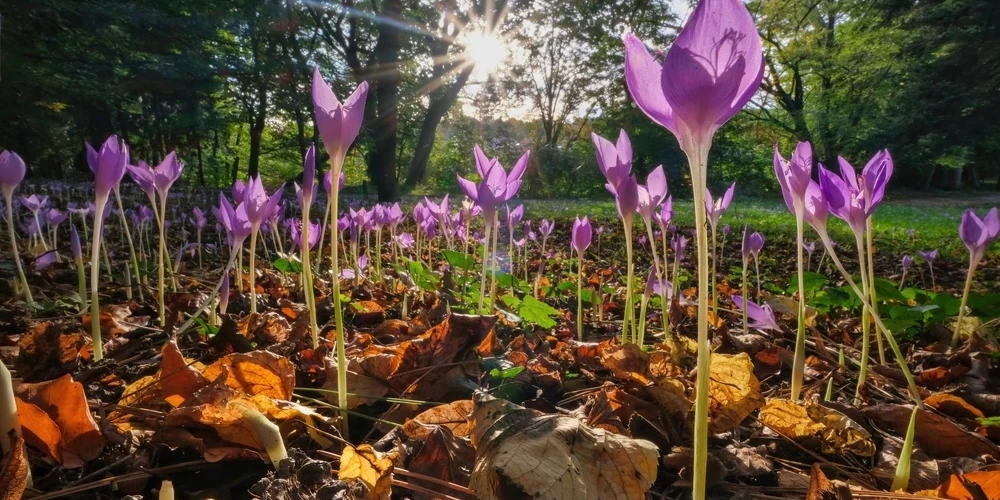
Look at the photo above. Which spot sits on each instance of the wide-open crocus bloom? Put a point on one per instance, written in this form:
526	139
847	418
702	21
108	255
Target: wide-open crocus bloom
338	122
235	221
496	186
715	208
854	198
928	256
34	203
712	69
296	233
108	165
12	170
978	233
762	316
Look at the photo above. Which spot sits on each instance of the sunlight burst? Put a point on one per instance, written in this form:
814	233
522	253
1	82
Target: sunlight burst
486	51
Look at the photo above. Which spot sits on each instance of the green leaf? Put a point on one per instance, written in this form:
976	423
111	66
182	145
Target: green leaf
985	306
533	310
813	282
949	304
994	421
886	290
506	374
459	260
285	266
423	278
905	313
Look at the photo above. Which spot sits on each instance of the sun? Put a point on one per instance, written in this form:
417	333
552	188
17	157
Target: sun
485	51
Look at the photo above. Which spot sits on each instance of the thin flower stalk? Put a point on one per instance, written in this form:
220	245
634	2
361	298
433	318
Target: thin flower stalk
128	238
870	250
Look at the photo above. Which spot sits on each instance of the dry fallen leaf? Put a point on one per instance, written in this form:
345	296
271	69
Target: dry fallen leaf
256	372
820	488
554	457
38	429
370	467
733	393
178	379
64	401
935	434
798	421
13	470
954	489
454	416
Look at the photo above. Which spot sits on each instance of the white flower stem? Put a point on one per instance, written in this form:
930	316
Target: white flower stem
95	268
579	297
336	162
161	218
628	322
17	259
799	361
698	162
128	237
957	336
865	320
870	248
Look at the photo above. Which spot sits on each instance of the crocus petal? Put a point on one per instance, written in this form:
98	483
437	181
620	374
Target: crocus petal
12	170
642	75
517	171
656	183
714	66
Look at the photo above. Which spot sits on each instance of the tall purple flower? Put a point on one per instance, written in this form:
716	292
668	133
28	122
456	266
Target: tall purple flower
978	233
582	234
108	165
854	198
12	170
259	205
712	69
338	122
166	174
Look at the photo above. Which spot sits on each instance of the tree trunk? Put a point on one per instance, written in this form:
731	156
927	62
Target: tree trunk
428	130
382	168
201	163
236	160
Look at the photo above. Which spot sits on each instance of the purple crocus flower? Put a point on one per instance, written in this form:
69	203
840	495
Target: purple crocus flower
496	186
794	176
338	122
546	228
928	256
712	69
54	217
854	198
614	160
405	240
907	262
166	174
309	175
295	228
142	175
514	216
678	243
199	218
582	234
328	181
756	245
108	165
627	199
239	191
12	170
666	214
258	205
34	203
235	220
725	230
716	208
978	234
762	316
746	244
652	194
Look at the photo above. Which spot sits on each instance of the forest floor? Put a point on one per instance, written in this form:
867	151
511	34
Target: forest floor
423	373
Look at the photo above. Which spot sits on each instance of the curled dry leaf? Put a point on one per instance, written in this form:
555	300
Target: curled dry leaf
442	456
733	393
935	434
800	421
953	405
554	457
256	372
13	470
226	417
64	401
372	468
